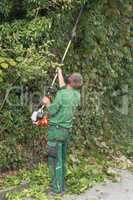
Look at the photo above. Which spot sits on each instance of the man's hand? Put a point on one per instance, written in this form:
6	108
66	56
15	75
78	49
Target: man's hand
46	101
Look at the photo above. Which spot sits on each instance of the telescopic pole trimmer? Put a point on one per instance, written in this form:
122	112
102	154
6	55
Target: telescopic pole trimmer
40	115
71	40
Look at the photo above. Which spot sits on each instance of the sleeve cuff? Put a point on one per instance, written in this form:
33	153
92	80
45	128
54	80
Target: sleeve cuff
63	87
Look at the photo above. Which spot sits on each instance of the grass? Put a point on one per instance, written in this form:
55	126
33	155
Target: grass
85	168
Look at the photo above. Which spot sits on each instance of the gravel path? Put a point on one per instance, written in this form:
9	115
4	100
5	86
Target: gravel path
122	190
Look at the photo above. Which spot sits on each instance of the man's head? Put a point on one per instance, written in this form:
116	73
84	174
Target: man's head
75	80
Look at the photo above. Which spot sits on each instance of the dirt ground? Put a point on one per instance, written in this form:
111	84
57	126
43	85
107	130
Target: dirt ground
122	190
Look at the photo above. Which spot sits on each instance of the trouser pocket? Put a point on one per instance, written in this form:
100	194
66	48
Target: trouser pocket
52	149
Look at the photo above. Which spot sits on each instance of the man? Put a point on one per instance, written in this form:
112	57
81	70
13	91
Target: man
61	112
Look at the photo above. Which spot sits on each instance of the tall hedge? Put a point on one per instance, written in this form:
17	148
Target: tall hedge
31	46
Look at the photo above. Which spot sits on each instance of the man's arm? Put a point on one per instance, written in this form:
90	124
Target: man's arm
53	107
60	78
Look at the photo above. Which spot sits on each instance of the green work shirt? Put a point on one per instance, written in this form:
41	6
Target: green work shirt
63	107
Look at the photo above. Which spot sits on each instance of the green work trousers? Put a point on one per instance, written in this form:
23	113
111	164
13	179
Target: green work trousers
57	148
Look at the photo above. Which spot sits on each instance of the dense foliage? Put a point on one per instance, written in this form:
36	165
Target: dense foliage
33	36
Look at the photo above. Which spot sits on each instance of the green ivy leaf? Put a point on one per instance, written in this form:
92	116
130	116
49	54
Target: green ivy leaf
4	65
12	62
